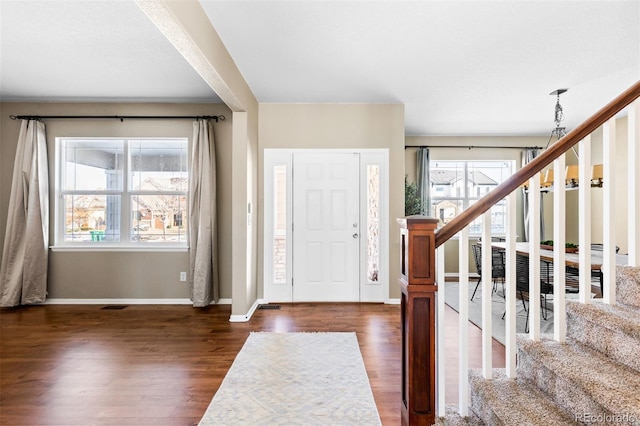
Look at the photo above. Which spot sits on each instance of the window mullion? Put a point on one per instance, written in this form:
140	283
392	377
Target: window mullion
125	203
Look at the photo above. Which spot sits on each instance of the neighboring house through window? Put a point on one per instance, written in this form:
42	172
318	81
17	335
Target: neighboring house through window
456	185
114	191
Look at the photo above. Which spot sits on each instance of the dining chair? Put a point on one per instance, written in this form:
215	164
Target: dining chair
522	284
497	268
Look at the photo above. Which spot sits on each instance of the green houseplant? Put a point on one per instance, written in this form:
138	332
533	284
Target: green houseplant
412	201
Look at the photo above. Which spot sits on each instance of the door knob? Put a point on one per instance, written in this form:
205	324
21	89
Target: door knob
355	235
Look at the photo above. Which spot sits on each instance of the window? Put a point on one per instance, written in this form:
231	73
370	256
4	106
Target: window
456	185
373	222
122	191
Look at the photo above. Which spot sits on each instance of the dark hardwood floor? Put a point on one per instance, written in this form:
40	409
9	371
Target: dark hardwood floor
161	365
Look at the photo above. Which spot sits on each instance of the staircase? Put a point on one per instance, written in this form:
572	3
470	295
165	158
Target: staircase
588	370
592	378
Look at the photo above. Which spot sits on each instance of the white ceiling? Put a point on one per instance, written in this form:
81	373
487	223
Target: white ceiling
459	67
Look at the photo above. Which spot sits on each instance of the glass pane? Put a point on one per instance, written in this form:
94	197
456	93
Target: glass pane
93	165
483	176
447	179
445	210
159	218
92	218
279	224
159	165
498	219
373	222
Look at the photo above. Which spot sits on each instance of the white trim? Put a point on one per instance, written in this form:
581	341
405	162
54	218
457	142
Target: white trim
392	302
368	292
248	315
125	194
102	248
276	292
127	302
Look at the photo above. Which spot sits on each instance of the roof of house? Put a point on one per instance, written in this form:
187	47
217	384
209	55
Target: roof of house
449	177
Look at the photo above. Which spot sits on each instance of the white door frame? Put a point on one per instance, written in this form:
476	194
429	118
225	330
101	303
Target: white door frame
370	291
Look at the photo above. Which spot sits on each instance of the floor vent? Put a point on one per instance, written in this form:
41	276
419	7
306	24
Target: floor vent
115	307
269	307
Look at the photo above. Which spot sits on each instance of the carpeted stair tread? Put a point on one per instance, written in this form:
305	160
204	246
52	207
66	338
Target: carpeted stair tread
628	285
453	418
504	401
615	317
612	330
579	378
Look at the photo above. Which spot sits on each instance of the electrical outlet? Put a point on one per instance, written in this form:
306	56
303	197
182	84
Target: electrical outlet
183	276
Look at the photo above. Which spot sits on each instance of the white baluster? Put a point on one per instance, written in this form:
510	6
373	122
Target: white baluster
534	257
463	324
608	215
633	158
440	346
584	219
559	275
487	287
510	286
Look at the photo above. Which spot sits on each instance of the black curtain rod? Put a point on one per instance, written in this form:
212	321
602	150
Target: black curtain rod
119	117
472	146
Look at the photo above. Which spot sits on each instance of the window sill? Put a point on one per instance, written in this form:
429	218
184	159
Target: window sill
121	248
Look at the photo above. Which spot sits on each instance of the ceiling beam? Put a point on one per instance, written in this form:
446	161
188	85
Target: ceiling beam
186	25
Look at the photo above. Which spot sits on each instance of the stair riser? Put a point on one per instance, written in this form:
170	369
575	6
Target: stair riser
568	395
505	401
614	344
482	408
628	285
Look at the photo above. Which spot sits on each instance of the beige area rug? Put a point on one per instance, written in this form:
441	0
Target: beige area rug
295	379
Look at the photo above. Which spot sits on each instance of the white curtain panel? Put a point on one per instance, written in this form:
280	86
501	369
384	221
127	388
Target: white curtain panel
23	273
203	239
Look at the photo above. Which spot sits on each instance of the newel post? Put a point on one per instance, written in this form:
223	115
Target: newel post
418	305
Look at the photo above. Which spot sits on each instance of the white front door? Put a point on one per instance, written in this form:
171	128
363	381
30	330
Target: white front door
326	228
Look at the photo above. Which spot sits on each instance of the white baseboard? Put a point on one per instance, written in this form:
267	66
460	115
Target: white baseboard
127	302
118	302
246	317
392	302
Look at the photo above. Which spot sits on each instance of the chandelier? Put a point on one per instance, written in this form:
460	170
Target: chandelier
571	172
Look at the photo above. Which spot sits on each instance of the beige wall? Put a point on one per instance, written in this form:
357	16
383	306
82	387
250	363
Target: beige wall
620	189
144	275
357	126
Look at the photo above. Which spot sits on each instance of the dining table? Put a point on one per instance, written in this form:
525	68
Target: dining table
572	259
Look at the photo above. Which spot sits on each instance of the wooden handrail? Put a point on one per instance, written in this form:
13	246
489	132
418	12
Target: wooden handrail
538	163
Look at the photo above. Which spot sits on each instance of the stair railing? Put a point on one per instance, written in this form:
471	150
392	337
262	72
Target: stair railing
581	135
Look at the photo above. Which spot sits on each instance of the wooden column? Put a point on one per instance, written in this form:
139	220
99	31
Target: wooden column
418	307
